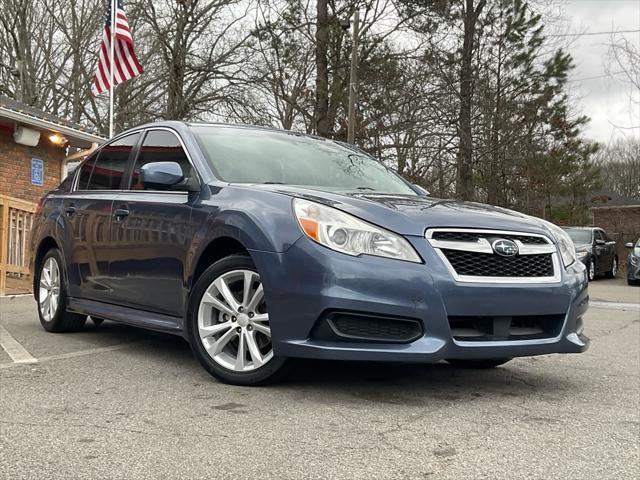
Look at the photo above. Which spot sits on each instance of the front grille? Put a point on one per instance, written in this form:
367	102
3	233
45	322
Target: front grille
374	328
492	265
501	328
470	255
474	236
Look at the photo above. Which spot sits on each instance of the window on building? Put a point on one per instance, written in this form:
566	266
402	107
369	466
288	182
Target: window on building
163	146
110	164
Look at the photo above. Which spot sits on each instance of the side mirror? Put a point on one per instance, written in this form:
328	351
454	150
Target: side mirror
599	241
160	175
629	244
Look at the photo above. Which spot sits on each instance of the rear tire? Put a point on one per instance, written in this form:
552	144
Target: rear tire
51	296
478	364
228	324
614	268
591	270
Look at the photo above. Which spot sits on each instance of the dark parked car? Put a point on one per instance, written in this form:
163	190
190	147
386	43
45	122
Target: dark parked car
633	263
596	250
257	245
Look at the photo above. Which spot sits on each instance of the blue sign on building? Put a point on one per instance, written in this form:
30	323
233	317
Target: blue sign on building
37	171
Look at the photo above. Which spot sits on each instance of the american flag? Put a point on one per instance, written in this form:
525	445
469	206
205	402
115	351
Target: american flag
126	63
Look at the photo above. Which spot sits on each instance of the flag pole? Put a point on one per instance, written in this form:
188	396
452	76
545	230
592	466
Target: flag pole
112	38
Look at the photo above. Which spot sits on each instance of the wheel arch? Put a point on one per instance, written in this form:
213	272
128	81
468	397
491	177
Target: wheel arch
46	244
215	250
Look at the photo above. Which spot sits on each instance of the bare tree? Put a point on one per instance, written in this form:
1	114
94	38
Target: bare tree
623	58
201	48
31	56
620	166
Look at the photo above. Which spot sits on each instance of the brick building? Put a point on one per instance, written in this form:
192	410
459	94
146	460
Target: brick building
33	147
34	150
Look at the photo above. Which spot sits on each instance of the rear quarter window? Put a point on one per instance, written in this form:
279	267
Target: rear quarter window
85	172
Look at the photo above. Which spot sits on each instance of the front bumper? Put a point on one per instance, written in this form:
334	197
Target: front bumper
633	271
585	259
308	280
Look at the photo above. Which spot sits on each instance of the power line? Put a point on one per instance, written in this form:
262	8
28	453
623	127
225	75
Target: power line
590	33
596	76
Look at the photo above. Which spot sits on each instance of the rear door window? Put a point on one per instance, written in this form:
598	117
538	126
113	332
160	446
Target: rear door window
110	165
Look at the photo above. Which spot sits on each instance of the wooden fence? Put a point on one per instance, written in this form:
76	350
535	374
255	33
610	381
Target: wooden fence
16	219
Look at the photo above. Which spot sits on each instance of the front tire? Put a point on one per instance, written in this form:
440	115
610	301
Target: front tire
228	324
51	296
478	364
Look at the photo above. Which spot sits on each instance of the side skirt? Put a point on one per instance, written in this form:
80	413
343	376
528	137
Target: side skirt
130	316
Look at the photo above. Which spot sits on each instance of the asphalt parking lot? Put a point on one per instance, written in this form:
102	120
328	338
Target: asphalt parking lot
117	402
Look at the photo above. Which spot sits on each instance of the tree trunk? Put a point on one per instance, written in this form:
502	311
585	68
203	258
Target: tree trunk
464	183
322	71
492	187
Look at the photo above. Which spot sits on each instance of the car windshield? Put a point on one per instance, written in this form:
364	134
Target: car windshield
243	155
579	236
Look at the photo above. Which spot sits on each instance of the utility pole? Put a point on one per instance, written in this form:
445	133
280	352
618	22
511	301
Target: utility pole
353	80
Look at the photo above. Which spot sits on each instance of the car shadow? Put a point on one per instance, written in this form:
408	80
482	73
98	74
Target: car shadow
397	383
363	382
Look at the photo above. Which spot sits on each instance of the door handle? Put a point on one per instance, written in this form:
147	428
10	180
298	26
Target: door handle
120	213
70	210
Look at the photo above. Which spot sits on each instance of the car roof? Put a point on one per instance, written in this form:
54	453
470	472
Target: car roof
180	125
240	126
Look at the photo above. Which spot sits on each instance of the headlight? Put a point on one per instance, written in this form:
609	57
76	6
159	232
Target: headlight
634	260
345	233
565	244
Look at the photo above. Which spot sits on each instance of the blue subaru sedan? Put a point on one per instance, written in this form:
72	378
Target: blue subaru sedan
258	246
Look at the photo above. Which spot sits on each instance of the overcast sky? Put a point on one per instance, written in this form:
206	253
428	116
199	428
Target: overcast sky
603	99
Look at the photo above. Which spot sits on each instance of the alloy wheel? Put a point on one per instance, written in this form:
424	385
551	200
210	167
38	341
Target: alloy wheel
49	289
614	267
233	323
592	271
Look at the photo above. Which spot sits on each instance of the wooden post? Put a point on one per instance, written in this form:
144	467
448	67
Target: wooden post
19	262
4	243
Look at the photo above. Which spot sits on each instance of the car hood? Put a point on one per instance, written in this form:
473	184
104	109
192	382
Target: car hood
412	215
583	247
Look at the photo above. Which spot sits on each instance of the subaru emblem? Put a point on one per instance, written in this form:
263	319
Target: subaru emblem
506	248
